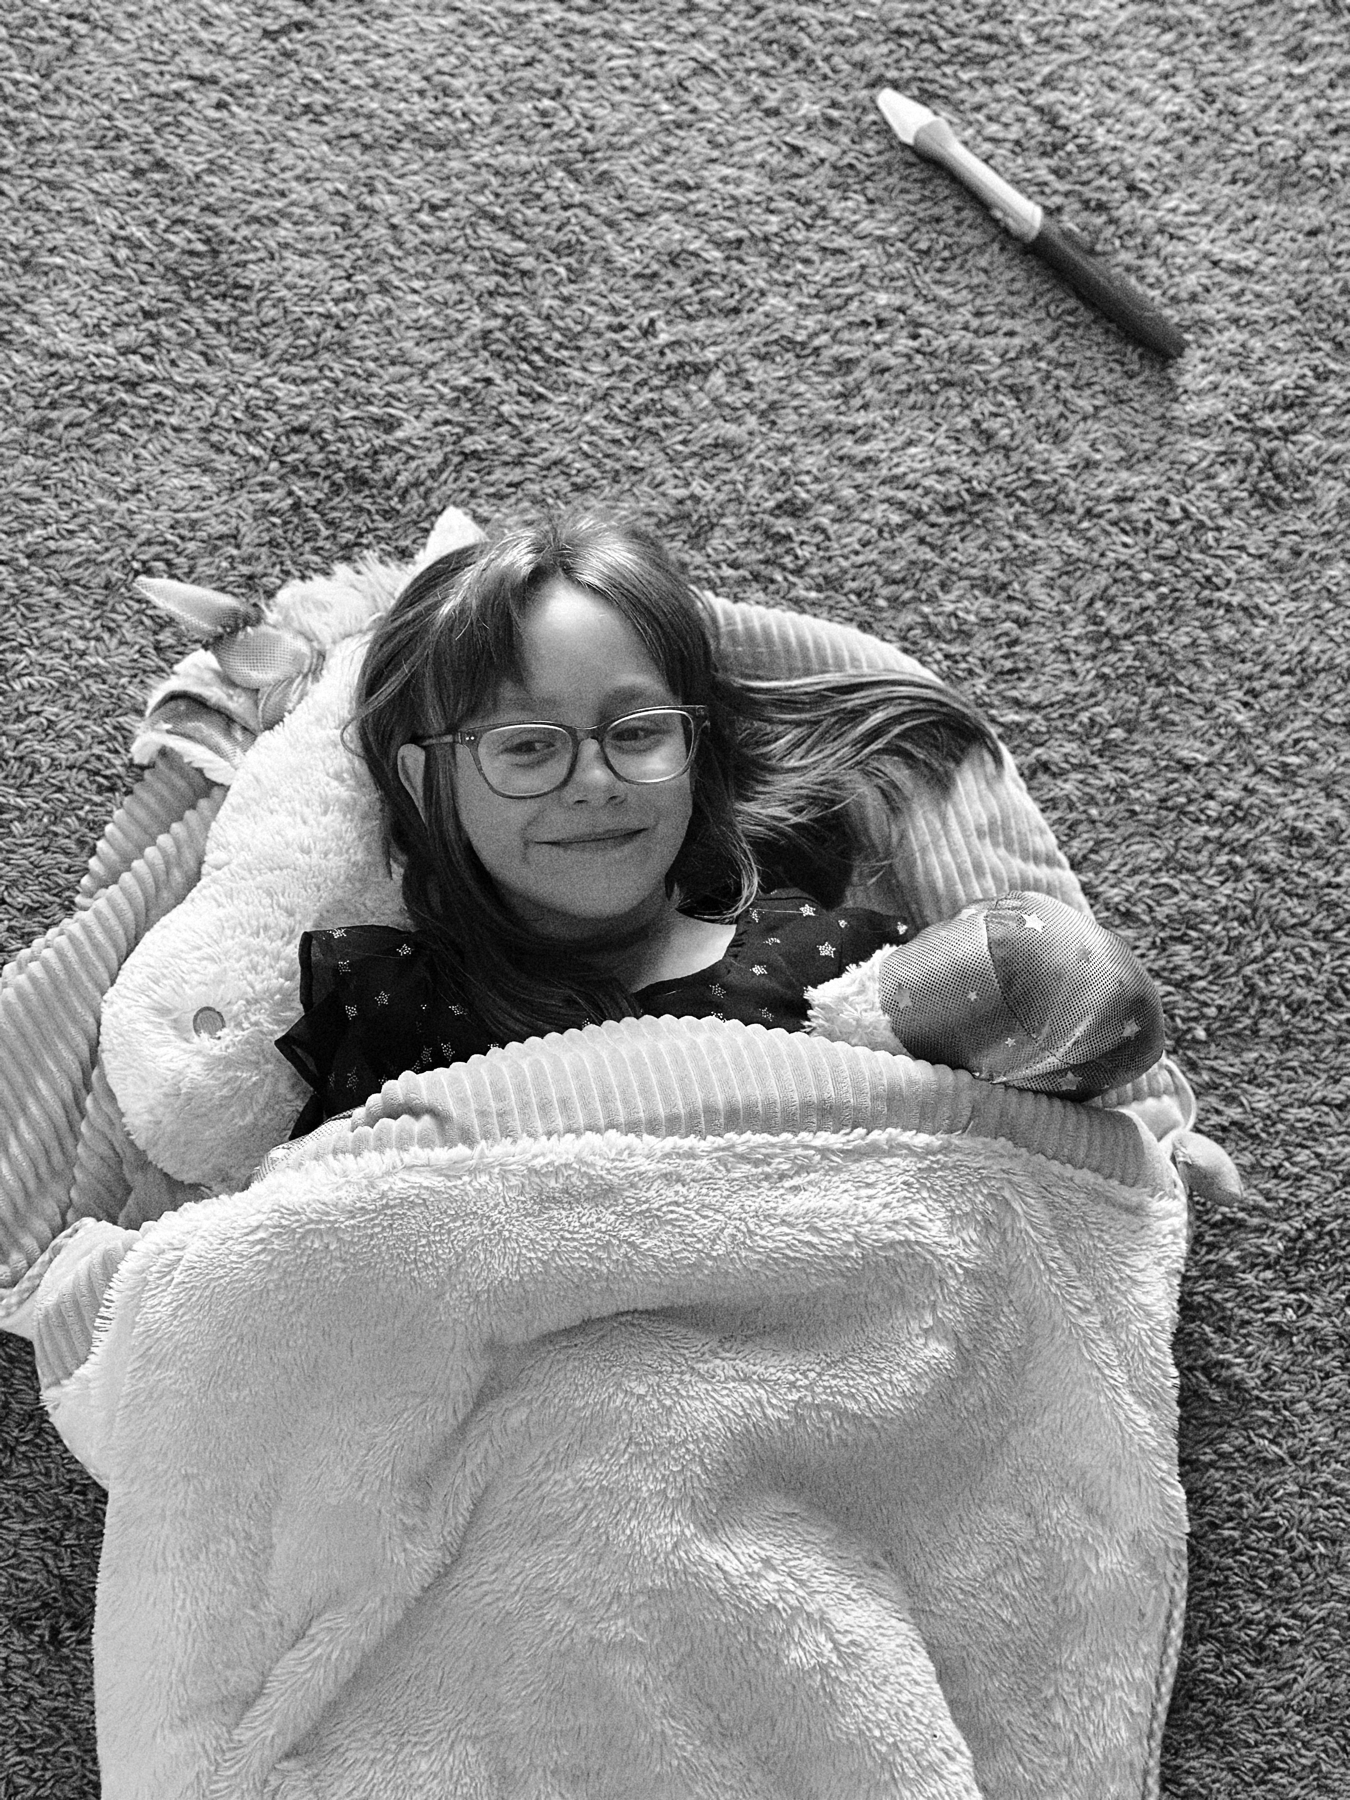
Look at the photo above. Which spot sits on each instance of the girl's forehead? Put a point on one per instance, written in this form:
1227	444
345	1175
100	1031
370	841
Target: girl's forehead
573	659
579	661
582	703
574	643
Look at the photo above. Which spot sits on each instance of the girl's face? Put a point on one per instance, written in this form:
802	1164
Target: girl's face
596	851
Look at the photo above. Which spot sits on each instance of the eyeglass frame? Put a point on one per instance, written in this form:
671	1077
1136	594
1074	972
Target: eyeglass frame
696	715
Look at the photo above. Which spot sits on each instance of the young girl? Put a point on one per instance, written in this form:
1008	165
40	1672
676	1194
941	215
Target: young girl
594	821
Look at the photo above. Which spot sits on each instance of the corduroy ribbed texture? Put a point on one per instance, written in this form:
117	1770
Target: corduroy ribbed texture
706	1077
99	1185
65	1329
164	794
49	1021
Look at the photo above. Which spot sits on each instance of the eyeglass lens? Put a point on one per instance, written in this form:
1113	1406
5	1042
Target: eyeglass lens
524	760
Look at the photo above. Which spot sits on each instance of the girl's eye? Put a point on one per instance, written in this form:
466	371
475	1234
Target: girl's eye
635	736
525	746
645	734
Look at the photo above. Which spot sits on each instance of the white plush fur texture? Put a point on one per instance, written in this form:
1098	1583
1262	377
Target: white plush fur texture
848	1010
295	847
832	1464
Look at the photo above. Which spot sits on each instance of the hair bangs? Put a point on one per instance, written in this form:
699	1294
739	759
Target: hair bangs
474	649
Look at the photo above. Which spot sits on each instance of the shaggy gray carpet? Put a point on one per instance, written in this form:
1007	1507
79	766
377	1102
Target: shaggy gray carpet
283	277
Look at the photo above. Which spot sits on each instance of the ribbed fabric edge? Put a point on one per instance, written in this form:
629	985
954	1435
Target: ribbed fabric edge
775	642
669	1077
167	792
64	1330
49	1025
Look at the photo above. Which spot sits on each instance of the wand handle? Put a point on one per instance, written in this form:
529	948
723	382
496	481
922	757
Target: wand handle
1106	289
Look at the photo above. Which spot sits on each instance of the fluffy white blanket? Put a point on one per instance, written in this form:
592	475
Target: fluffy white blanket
835	1462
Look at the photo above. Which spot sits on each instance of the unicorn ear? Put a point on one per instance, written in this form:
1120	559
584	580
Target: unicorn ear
452	531
206	611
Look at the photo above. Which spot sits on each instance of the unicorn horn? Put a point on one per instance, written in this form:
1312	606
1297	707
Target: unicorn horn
206	611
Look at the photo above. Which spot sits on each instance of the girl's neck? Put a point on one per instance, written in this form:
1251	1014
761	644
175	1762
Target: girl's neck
623	944
655	943
678	947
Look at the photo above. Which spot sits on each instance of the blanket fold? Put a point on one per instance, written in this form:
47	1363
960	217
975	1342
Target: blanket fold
836	1462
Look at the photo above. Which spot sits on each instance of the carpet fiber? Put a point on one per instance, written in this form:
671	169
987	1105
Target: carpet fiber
283	278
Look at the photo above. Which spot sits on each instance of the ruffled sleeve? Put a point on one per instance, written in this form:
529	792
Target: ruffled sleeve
372	1009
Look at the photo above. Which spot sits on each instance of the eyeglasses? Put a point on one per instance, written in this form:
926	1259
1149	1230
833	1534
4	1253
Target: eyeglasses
521	762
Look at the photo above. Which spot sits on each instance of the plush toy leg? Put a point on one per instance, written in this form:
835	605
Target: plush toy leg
1207	1169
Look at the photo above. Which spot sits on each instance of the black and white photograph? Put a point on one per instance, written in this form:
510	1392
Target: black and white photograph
674	900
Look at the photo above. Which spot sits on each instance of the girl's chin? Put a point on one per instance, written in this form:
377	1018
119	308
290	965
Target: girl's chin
586	916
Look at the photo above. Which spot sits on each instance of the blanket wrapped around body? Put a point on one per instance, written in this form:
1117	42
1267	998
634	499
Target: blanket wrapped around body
670	1408
469	1455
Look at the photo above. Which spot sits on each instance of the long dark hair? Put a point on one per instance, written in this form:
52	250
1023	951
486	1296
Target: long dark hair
780	776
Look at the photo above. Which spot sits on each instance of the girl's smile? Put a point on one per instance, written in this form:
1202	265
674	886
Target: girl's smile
601	840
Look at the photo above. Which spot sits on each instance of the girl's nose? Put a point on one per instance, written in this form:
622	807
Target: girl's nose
592	776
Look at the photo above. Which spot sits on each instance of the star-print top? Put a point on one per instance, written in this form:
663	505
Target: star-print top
374	1005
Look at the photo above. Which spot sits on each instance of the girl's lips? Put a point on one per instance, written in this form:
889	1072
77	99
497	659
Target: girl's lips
611	840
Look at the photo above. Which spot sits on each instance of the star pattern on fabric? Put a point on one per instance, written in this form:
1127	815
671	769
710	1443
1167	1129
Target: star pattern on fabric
972	998
1130	1028
1033	921
766	994
903	1000
900	927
